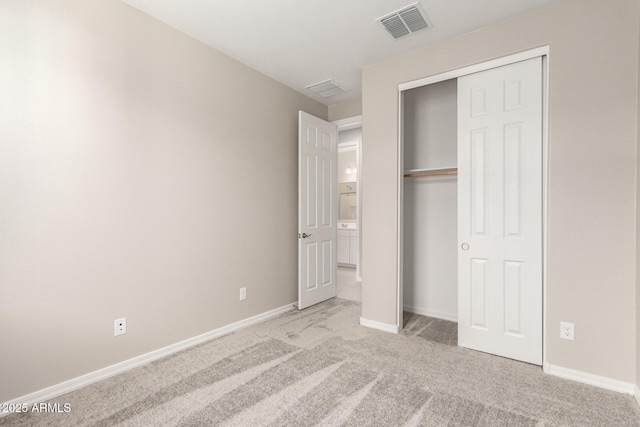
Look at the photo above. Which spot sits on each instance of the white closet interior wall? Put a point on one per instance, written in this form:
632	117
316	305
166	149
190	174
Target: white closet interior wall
430	276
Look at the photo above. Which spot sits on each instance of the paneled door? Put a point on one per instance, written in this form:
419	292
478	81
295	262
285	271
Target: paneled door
500	211
317	210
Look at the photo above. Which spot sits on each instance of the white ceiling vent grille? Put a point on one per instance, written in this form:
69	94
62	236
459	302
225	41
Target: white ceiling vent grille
405	21
326	88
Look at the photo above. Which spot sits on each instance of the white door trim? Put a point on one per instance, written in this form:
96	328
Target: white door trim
348	123
475	68
544	52
400	215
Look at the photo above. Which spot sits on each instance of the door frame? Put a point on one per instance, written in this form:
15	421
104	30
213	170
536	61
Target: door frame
542	51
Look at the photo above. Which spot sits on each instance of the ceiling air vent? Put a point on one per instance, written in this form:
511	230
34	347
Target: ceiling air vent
405	21
326	88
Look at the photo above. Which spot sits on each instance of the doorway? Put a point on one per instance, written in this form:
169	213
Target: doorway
350	140
349	208
318	207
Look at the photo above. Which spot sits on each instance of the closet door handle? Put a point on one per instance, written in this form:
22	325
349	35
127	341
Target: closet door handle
464	246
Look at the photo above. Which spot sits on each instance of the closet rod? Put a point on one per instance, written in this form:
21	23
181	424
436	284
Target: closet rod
430	172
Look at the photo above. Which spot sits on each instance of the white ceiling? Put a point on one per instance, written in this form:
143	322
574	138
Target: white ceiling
300	42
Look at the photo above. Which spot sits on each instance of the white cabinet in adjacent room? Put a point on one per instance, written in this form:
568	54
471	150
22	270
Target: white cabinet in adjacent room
353	247
343	247
348	247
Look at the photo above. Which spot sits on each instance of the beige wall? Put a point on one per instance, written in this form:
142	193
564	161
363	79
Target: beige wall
142	174
345	110
592	172
638	240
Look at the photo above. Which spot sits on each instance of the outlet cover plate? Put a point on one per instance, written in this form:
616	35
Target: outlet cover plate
567	331
120	326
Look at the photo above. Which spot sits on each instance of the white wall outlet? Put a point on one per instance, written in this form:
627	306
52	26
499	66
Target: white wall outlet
120	326
243	294
567	331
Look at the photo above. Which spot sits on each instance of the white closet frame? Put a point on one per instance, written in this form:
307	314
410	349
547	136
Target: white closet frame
543	52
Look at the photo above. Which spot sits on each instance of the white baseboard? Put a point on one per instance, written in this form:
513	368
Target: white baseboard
379	325
453	317
591	379
101	374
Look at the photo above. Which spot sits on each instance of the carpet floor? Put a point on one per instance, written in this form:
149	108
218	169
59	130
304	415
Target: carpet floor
320	367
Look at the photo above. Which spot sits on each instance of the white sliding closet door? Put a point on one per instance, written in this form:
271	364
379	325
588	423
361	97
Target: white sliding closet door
500	211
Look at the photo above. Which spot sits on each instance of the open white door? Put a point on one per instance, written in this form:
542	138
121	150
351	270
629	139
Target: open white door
317	210
500	211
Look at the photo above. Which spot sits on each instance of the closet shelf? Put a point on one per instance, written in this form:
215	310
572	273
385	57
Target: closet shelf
430	172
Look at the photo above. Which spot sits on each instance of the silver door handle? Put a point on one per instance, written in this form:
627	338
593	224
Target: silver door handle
464	246
304	235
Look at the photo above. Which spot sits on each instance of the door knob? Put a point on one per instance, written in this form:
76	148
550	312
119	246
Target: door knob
304	235
464	246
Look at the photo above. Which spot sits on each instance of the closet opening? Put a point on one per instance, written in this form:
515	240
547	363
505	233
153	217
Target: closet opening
430	263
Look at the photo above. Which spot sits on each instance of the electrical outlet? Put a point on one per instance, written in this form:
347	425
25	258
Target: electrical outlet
567	331
119	326
243	294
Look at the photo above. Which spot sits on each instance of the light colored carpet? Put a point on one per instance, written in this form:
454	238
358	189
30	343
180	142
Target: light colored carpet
348	287
319	367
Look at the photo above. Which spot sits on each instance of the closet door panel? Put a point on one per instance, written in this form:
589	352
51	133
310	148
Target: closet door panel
479	196
478	300
513	179
513	302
